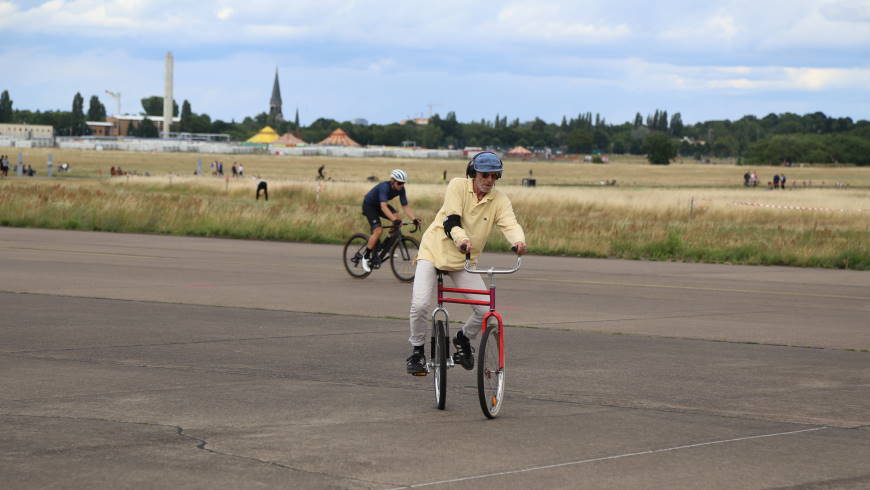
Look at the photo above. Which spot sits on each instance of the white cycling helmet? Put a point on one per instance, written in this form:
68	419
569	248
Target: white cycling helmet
399	175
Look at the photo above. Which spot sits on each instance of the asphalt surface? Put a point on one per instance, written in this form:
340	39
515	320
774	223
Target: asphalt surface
140	361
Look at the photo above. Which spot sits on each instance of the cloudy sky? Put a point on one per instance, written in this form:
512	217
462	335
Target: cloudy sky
387	60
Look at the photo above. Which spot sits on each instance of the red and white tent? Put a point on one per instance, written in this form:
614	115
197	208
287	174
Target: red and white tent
289	139
338	138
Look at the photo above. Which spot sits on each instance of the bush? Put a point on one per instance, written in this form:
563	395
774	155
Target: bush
659	149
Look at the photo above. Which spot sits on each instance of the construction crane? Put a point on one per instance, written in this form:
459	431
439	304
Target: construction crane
117	98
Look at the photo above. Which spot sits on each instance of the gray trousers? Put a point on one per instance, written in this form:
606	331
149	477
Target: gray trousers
424	297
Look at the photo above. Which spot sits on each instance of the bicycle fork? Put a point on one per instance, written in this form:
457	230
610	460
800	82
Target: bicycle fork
430	362
500	325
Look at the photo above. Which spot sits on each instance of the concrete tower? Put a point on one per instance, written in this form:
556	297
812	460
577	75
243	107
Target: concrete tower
275	113
167	96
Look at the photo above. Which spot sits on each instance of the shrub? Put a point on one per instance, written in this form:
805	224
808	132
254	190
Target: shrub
659	149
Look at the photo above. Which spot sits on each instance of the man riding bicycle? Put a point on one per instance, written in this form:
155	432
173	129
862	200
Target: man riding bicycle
471	207
376	206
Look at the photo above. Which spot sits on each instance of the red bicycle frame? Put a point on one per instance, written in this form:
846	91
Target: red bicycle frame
491	313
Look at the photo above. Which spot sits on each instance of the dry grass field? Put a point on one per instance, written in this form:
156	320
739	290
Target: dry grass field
625	170
687	212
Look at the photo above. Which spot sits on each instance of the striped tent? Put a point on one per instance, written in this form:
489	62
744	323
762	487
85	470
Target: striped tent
289	139
338	138
518	152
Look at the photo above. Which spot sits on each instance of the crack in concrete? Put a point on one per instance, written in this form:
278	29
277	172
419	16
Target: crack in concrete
201	445
466	388
196	342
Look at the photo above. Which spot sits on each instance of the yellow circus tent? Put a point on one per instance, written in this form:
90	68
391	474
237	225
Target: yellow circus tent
289	139
266	135
339	138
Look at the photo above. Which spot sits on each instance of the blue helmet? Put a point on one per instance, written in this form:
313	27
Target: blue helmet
485	161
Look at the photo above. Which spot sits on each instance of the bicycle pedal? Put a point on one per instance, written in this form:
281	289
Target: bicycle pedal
420	374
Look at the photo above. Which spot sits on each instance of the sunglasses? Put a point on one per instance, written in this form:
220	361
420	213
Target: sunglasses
486	175
400	184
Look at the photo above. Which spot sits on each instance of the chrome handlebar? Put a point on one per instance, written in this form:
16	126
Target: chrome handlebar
491	270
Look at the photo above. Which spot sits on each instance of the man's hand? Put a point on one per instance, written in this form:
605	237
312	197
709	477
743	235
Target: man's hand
465	246
521	248
397	221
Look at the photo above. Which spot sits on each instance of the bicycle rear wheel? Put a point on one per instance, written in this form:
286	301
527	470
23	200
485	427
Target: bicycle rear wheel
490	378
353	253
439	362
402	258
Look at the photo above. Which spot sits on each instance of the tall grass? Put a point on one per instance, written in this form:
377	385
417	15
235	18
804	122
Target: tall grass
698	225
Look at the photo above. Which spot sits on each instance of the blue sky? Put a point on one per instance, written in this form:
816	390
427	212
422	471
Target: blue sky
388	60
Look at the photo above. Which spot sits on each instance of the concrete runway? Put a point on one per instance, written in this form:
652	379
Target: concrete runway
152	362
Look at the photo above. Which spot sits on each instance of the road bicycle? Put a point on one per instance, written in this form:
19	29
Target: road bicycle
400	250
491	353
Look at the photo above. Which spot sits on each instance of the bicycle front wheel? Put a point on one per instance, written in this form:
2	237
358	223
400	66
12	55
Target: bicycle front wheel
353	253
402	258
490	378
438	357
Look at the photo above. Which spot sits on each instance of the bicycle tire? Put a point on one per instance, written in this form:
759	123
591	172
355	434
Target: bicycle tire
402	257
490	379
355	247
439	363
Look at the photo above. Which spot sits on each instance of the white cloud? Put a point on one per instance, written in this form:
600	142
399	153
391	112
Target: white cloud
714	29
7	9
847	10
225	13
408	52
549	22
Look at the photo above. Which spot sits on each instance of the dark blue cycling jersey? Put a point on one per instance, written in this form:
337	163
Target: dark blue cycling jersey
383	192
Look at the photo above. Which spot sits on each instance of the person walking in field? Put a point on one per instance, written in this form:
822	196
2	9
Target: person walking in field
376	206
472	206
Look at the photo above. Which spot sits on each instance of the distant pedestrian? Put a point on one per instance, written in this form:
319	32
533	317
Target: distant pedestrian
241	170
746	178
320	174
262	186
782	181
776	181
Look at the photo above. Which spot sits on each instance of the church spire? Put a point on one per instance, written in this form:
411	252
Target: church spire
275	112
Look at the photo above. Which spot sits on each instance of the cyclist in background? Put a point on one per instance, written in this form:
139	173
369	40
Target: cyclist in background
376	206
471	207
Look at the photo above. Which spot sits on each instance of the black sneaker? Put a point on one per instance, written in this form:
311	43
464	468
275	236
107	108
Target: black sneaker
464	351
417	363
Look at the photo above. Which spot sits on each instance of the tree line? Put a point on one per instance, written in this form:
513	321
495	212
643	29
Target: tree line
772	139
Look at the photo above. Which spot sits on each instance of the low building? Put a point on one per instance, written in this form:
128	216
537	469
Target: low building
419	121
26	131
126	123
98	128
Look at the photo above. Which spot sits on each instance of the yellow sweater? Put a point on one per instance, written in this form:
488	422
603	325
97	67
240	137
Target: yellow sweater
477	218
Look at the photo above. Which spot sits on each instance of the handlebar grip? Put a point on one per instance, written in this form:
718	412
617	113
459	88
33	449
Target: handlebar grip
467	256
464	248
514	248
